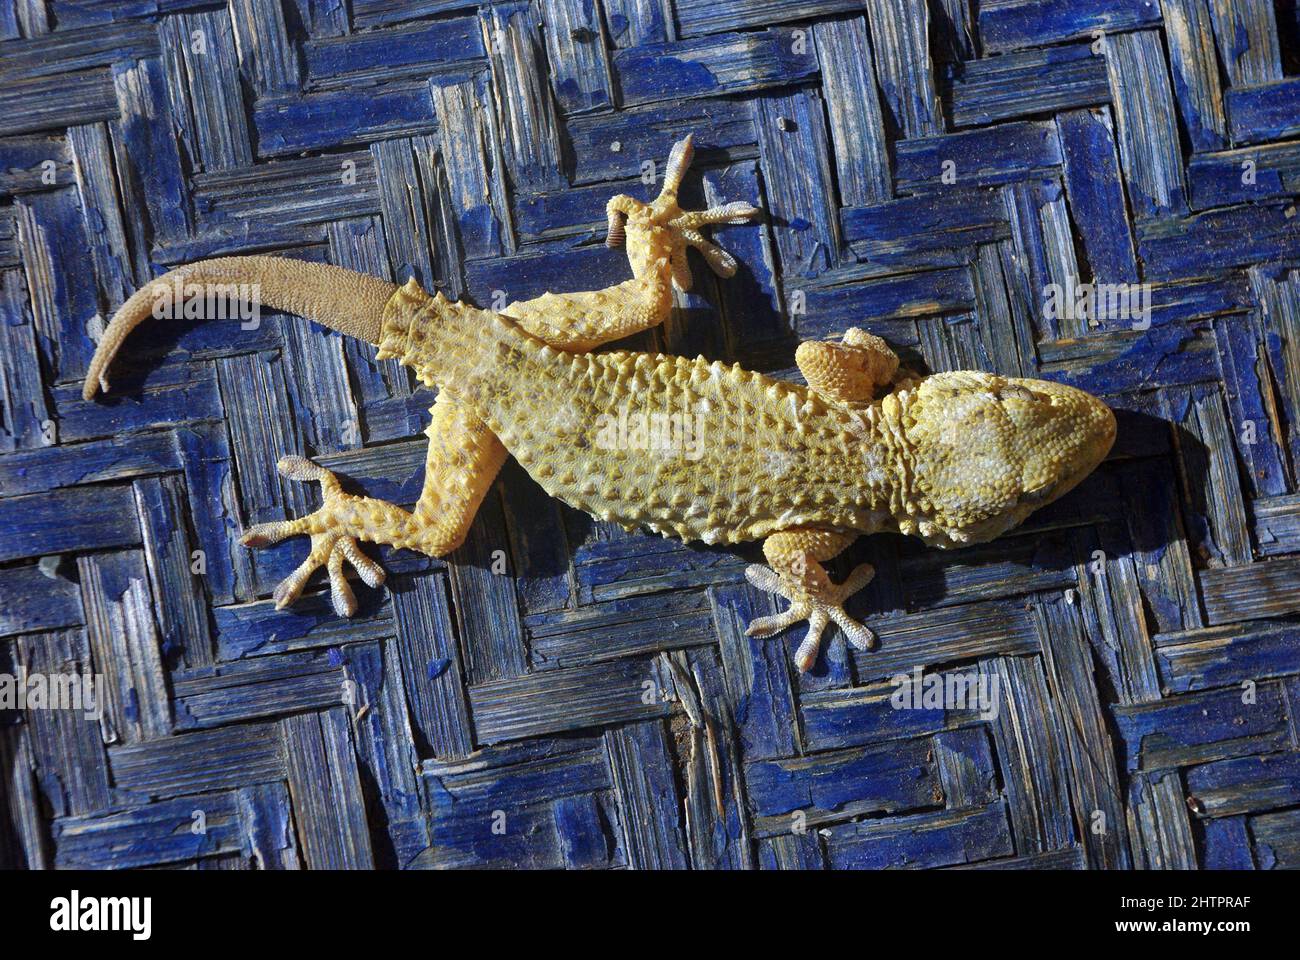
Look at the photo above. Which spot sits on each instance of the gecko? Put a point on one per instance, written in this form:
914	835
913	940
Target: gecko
954	458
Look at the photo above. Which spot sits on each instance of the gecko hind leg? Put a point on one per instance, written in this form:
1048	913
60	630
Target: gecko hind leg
463	460
796	573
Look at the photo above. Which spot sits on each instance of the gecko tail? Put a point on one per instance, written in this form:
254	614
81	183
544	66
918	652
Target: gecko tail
343	300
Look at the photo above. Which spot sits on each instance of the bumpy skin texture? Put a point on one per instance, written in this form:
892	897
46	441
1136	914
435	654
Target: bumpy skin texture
688	448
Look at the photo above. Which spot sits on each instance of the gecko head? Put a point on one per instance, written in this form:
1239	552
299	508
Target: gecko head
989	450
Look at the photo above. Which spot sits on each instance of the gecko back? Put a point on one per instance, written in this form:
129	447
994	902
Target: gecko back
687	447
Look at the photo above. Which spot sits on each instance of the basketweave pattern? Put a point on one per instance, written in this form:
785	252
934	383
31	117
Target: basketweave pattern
558	692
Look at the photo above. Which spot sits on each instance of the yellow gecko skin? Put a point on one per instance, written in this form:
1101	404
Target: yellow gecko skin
687	448
955	459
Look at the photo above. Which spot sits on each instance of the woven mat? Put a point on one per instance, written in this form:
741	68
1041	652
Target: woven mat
557	692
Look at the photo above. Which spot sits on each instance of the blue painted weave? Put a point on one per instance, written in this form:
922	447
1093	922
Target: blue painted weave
560	693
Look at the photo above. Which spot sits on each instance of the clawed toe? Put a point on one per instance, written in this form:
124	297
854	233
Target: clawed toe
371	573
736	212
265	534
331	551
856	633
299	468
764	578
819	617
720	261
766	626
806	655
290	588
858	577
687	226
341	595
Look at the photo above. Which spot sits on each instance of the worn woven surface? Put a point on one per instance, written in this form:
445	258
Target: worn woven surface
558	692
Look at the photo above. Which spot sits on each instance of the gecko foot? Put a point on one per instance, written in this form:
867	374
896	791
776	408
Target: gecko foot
819	610
686	229
630	219
330	547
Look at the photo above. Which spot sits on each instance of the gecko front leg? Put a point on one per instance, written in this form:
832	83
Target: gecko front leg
849	371
657	236
796	573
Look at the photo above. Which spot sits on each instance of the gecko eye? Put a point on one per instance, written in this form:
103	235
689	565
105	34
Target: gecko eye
1015	391
1037	496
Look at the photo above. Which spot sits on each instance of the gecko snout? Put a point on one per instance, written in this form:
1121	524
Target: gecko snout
1069	433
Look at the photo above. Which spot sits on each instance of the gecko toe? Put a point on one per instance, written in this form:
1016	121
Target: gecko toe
766	626
341	595
860	636
736	212
806	655
300	468
765	579
290	588
265	534
297	468
858	577
371	573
